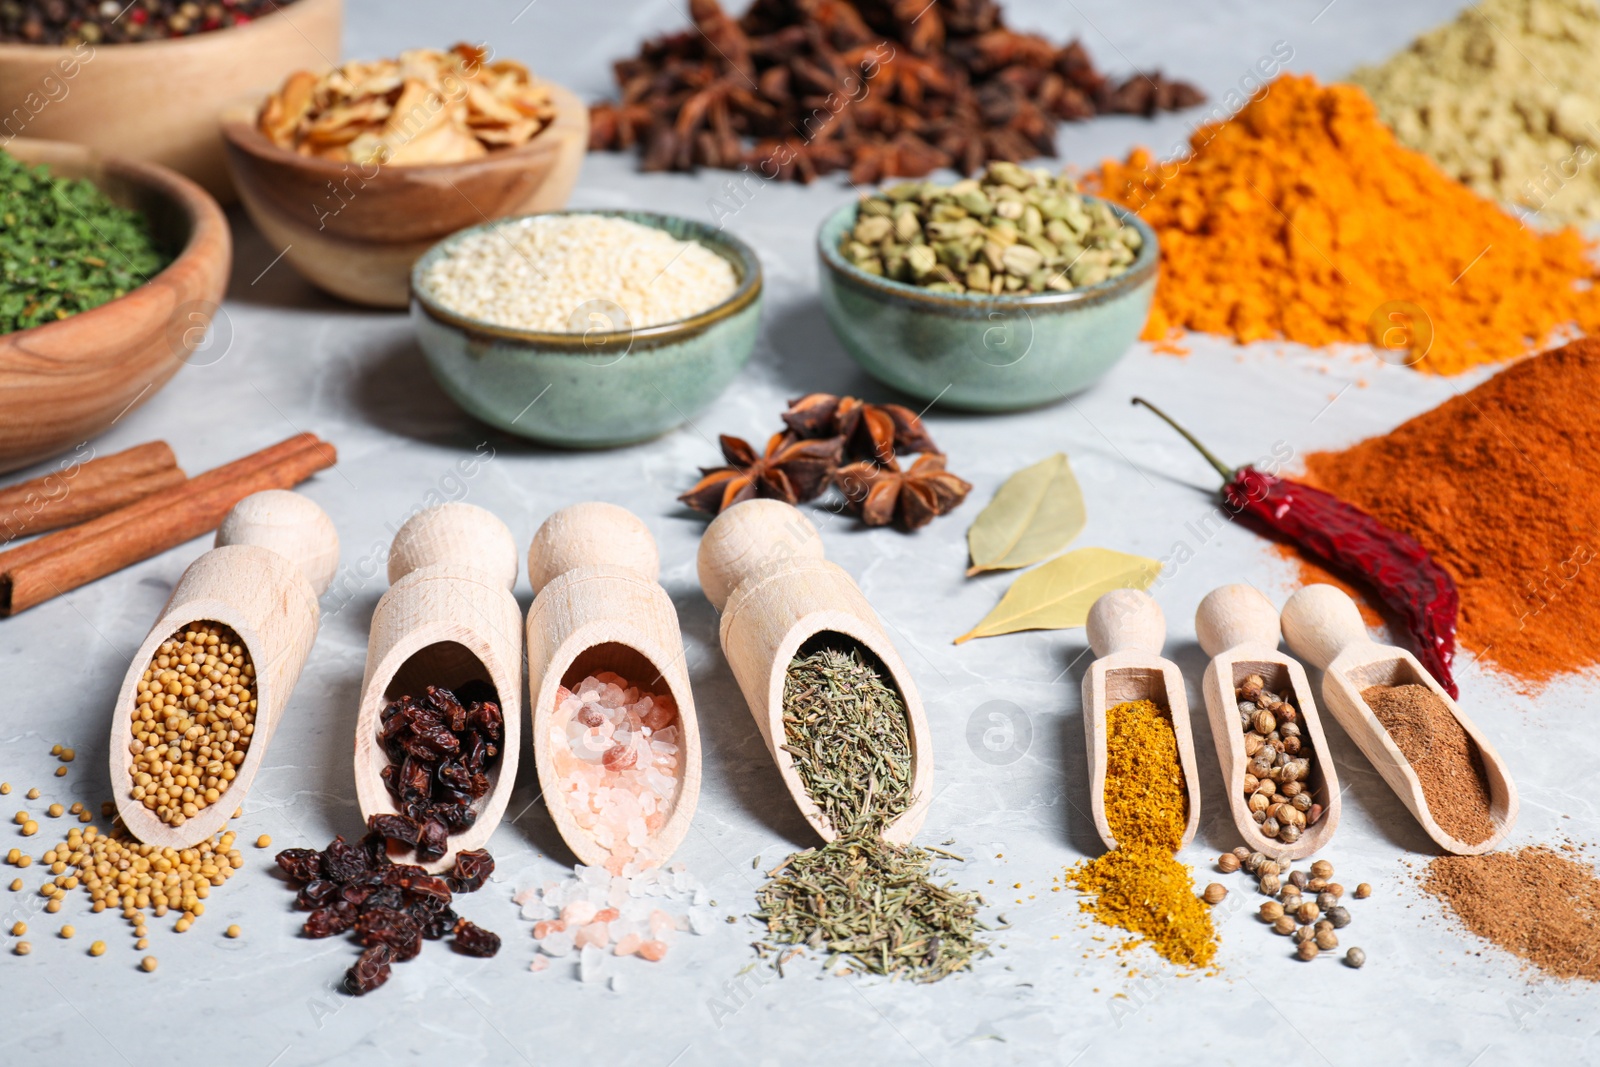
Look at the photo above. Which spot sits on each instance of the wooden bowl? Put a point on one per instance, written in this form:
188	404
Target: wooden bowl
160	100
356	231
64	382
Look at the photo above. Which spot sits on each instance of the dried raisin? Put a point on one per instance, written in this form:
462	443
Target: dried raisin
370	971
474	940
301	864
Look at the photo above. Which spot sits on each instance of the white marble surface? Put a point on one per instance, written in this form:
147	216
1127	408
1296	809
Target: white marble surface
296	360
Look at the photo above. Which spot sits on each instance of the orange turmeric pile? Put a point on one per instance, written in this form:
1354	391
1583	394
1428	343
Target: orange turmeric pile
1302	218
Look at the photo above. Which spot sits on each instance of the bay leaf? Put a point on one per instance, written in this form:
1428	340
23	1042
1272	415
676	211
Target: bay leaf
1036	513
1058	594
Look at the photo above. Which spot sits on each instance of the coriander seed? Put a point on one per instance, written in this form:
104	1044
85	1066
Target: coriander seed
1307	912
1307	951
1339	917
1270	912
1302	934
1241	854
1227	863
1335	888
1269	884
1253	862
1269	867
1298	879
1214	893
1326	900
1327	940
1322	869
1355	958
1285	925
1363	891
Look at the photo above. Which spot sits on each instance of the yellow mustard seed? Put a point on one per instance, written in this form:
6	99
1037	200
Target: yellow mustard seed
16	884
33	794
13	856
67	931
264	841
77	808
68	755
5	788
233	931
181	926
30	828
53	907
55	811
20	817
19	929
23	948
97	949
24	860
55	750
61	772
141	944
148	963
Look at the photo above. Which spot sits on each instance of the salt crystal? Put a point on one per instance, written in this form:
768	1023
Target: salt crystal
661	923
700	920
628	945
654	951
594	934
616	983
589	963
535	911
557	944
539	963
578	912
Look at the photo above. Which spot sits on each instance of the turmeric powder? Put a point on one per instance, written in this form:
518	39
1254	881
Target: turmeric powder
1302	218
1139	886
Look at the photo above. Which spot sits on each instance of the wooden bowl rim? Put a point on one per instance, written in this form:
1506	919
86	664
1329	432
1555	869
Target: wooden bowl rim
207	226
17	49
742	257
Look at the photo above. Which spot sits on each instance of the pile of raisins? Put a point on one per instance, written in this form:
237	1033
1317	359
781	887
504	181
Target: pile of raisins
441	747
390	907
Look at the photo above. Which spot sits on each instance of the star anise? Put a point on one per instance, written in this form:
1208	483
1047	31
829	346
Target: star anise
869	431
908	498
791	469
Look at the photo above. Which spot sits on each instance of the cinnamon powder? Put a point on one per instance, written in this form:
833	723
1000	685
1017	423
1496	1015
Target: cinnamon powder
1447	763
1535	903
1498	485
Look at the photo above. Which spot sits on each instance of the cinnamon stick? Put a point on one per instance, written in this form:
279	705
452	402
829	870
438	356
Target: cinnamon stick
85	490
64	560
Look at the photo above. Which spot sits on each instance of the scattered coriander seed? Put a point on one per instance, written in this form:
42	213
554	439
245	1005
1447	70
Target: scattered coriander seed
1298	879
1285	925
67	931
1227	863
30	828
1303	934
1214	894
1241	854
23	948
1363	891
1308	951
55	811
148	963
1326	900
233	931
1271	911
1339	917
1253	862
97	949
1317	885
1269	884
33	794
61	772
1334	888
1269	867
1327	940
264	841
19	929
1355	958
1322	869
1307	912
1321	925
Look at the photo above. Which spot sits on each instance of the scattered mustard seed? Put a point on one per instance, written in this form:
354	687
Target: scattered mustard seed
24	860
264	841
30	828
53	907
61	772
16	884
20	817
33	794
55	811
67	931
68	755
55	750
141	944
23	948
148	963
233	931
5	788
19	929
97	949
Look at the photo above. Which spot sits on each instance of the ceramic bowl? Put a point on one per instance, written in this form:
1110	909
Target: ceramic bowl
356	232
979	352
64	382
160	100
598	389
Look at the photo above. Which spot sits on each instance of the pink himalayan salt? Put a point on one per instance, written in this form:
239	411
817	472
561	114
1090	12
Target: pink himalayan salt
629	945
607	915
542	930
654	951
578	912
596	934
616	756
539	963
661	923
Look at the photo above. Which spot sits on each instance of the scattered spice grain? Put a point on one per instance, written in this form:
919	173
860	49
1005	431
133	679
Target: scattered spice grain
264	841
1447	763
23	948
97	949
148	964
1355	958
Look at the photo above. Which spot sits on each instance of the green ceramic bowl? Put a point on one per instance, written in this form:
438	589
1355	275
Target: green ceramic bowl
604	387
984	353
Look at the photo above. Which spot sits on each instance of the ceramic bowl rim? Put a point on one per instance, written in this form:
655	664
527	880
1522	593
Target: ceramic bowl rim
738	254
1140	271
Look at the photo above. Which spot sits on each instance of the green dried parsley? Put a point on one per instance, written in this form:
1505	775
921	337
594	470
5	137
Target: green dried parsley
65	247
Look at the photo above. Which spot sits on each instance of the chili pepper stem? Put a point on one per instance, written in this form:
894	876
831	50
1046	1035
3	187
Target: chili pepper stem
1222	468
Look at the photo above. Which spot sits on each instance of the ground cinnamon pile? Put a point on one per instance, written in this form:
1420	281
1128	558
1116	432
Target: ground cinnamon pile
1302	218
1535	903
1446	762
1497	484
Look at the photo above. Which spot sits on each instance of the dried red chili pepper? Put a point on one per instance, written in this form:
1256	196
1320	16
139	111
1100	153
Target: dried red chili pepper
1391	563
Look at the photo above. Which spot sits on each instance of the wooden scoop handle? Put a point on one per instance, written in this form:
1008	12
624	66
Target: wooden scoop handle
461	535
592	534
1126	620
747	539
289	524
1235	615
1321	621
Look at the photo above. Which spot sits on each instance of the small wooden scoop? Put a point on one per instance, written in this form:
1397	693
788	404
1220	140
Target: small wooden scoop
448	618
275	553
1238	628
601	608
761	566
1324	627
1126	631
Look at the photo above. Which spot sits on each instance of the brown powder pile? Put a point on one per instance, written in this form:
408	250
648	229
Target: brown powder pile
1534	903
1498	484
1447	763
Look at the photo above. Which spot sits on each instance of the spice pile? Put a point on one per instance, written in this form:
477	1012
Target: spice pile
1502	97
1009	230
615	751
1302	218
1534	903
1497	484
875	87
442	748
391	908
1447	763
425	107
73	22
65	247
1140	886
1311	923
800	463
1277	780
595	913
576	273
192	721
869	905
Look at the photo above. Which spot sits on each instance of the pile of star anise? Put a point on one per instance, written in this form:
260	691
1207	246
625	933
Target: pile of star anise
824	431
798	88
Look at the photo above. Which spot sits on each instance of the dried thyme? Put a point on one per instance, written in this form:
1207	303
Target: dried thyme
848	735
65	247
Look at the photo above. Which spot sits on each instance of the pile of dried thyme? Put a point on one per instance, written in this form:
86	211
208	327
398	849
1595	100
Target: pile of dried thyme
859	898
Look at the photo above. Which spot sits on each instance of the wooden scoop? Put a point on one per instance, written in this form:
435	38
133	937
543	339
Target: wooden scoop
1238	628
1324	627
448	618
275	553
1126	631
761	566
601	608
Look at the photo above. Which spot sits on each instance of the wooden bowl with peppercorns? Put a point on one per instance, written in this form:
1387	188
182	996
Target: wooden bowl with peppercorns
159	99
64	382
